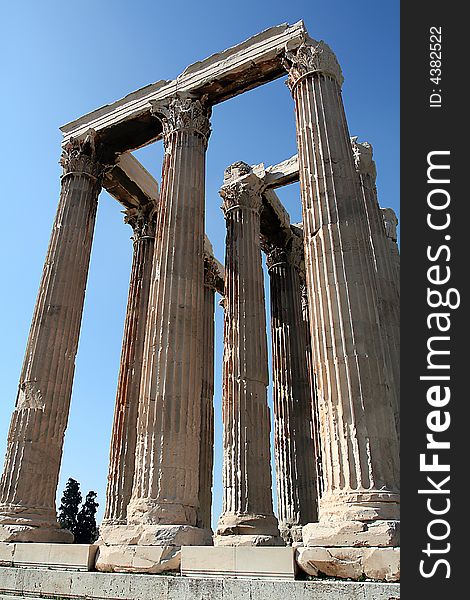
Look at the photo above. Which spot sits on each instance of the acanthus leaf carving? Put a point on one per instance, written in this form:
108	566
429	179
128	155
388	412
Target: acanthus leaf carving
241	188
311	57
142	220
275	256
184	112
80	156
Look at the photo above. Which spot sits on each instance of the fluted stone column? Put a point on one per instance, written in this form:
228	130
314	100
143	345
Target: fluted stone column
313	391
390	222
247	517
206	447
359	440
35	440
293	428
388	290
164	505
123	440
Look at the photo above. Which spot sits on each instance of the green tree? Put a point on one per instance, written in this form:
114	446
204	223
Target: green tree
86	531
68	510
81	521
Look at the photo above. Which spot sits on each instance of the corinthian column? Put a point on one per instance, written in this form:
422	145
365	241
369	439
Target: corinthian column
359	440
388	290
164	505
35	440
206	448
247	517
293	441
123	440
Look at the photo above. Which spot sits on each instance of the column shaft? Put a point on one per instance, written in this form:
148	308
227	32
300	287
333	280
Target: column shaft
123	440
247	504
359	442
35	440
388	291
313	392
166	481
293	441
390	222
206	448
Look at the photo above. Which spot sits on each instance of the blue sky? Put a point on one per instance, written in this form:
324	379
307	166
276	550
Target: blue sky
60	60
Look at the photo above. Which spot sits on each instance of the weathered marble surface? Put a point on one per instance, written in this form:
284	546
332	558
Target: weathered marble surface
294	449
31	471
247	516
127	123
359	448
33	583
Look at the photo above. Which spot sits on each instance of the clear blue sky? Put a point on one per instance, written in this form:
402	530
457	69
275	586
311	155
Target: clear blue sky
60	60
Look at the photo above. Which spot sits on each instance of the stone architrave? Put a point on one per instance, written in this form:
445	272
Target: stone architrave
359	439
293	429
29	482
123	440
164	505
206	448
247	517
388	290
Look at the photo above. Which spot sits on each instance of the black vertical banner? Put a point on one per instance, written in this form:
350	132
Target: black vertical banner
435	263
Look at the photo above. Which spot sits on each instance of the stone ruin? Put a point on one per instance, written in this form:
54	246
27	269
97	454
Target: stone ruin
335	340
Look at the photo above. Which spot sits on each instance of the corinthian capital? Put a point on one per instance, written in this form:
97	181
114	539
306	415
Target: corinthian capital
291	252
311	57
241	189
80	157
142	221
275	256
184	113
365	164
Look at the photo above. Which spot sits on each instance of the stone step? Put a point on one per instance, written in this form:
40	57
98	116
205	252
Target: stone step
70	557
39	583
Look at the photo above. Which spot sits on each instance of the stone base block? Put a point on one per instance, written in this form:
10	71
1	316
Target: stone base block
138	559
247	530
146	548
25	533
57	585
365	505
352	533
154	535
240	562
29	524
248	540
379	564
73	557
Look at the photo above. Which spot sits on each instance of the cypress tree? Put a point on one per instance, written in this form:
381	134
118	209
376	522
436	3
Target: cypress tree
86	530
68	510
